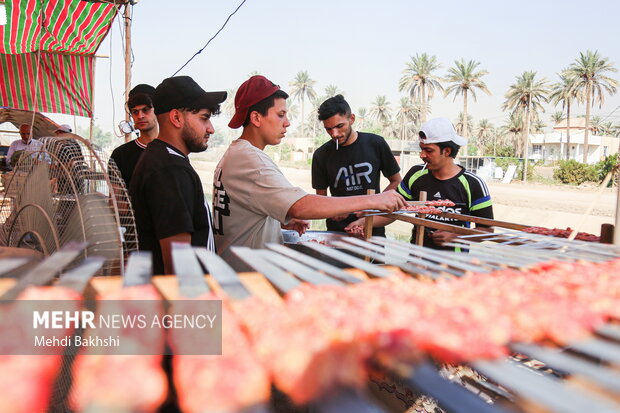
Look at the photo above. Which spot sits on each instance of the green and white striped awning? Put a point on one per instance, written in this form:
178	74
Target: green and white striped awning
59	26
47	52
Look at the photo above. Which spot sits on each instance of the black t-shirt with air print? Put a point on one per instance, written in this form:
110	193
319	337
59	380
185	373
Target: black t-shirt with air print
352	170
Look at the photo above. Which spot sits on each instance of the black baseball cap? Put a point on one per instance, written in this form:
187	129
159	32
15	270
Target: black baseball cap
183	92
142	88
142	94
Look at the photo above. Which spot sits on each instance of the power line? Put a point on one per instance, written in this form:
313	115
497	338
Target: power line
214	36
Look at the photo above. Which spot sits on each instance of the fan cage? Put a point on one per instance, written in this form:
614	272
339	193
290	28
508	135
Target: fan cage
69	190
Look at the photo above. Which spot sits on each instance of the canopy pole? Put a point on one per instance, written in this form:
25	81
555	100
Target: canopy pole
92	102
617	223
127	20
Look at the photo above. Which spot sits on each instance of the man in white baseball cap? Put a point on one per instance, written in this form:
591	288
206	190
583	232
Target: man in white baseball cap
441	178
64	128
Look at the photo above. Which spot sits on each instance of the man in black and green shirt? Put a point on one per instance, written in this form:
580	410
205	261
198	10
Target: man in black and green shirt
441	178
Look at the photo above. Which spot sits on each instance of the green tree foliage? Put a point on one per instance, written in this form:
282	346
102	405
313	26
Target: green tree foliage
301	87
525	98
564	92
101	138
463	79
575	173
603	167
420	81
381	111
591	83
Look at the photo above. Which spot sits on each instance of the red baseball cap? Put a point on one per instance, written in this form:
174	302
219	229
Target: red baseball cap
250	93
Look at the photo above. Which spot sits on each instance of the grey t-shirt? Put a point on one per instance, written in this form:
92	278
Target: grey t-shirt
251	197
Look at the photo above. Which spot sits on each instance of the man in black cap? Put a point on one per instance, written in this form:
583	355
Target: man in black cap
140	106
166	191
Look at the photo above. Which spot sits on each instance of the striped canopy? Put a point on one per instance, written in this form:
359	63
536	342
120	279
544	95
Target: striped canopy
67	33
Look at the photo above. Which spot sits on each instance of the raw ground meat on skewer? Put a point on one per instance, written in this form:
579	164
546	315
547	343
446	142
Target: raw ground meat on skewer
124	382
562	233
332	331
455	320
232	381
440	202
422	209
356	230
322	242
26	382
326	347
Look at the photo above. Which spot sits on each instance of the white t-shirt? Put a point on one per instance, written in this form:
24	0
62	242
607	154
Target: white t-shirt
19	145
251	197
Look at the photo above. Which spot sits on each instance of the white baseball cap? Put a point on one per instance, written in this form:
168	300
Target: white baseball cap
440	130
64	128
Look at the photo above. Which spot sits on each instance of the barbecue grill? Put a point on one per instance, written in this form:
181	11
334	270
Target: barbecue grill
544	374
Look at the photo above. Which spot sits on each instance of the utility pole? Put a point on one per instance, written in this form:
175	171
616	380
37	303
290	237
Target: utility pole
127	21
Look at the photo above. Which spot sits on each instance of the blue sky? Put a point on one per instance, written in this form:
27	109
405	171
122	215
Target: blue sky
360	46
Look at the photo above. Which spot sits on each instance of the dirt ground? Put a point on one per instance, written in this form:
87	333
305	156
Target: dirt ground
552	206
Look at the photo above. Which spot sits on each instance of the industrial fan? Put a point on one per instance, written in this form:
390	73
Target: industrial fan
66	192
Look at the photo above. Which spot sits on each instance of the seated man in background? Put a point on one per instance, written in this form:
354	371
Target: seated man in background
63	130
25	144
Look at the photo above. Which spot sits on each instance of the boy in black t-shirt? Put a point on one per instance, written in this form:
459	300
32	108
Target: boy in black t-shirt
140	107
441	178
351	162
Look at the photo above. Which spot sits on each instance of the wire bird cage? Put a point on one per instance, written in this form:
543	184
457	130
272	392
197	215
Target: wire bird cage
68	191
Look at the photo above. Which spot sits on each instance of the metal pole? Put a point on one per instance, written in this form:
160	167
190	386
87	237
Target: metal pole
127	20
92	103
617	223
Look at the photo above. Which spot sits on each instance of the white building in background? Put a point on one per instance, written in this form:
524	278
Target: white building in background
552	146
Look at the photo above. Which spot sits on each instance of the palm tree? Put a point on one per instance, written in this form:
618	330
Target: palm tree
539	126
524	97
361	116
302	86
607	129
558	116
484	133
228	108
564	91
292	111
405	116
463	79
590	71
596	125
332	90
419	81
312	123
381	111
461	125
511	130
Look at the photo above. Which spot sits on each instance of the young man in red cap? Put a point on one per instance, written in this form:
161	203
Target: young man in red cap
441	178
252	200
165	190
140	106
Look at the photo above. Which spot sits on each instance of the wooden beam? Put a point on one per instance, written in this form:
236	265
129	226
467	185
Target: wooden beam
437	225
419	231
368	221
484	221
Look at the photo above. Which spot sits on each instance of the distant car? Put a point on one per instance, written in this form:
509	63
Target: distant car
4	163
